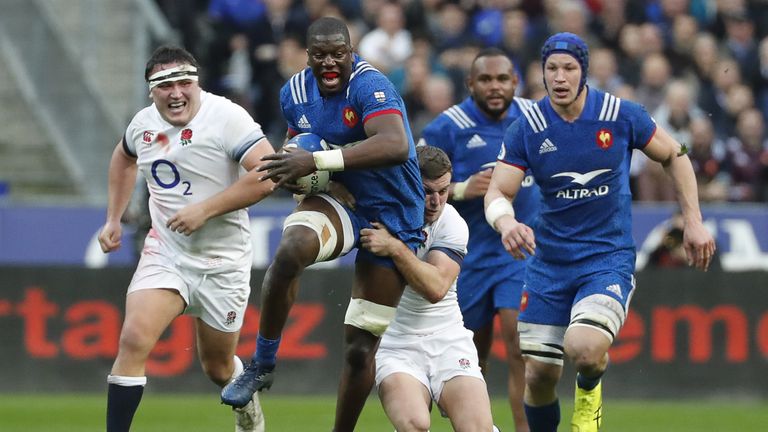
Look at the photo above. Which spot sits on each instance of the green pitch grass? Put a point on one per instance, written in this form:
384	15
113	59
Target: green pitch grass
203	413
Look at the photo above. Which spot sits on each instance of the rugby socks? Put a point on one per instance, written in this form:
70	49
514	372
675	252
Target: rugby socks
266	350
238	369
543	418
123	397
587	383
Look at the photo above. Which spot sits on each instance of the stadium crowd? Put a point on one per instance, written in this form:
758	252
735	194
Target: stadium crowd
700	67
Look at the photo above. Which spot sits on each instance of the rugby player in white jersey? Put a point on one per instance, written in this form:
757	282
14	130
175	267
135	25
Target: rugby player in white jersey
426	353
198	153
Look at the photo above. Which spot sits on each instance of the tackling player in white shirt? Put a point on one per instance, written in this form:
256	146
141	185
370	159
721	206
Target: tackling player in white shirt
198	153
426	353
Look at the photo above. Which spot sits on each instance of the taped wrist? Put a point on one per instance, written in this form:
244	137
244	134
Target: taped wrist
329	160
459	189
497	208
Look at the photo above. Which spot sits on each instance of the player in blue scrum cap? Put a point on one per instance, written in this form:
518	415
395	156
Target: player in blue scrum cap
577	143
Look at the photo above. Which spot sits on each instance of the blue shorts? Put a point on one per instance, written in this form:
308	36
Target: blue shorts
483	291
550	290
413	239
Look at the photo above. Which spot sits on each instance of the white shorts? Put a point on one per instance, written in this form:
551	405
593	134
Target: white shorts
432	359
219	299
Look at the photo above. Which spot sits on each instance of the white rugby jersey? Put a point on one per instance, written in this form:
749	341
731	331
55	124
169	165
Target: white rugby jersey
416	315
188	164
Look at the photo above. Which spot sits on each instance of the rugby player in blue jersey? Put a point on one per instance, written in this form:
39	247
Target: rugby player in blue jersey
491	280
577	143
348	103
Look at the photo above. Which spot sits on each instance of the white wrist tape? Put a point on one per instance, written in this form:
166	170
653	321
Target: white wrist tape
329	160
459	189
496	209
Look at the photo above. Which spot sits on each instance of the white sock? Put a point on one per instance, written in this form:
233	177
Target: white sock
127	381
238	368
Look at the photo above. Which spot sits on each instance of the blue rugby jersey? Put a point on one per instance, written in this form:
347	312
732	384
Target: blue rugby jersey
582	169
471	140
392	195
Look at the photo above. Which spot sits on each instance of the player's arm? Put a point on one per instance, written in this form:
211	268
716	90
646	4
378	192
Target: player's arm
122	179
246	191
386	145
432	278
698	242
504	186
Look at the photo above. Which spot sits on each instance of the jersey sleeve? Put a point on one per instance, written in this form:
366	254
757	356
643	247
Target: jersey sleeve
372	94
513	146
134	133
287	107
643	125
452	235
241	132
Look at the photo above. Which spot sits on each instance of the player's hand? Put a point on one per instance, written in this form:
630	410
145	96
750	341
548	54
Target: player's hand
285	167
187	220
516	237
110	236
341	194
478	184
699	245
378	240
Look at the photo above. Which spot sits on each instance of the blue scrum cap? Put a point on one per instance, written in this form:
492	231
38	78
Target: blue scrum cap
568	43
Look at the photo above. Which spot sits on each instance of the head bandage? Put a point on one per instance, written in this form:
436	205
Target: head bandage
178	73
567	43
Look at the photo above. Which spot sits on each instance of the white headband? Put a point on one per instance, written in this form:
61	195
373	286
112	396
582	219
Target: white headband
178	73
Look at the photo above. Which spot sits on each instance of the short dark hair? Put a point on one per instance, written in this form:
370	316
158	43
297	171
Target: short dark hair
490	52
433	162
327	26
169	54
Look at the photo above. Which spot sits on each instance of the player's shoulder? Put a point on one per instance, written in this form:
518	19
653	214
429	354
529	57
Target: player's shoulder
296	90
451	224
611	108
364	76
532	115
456	117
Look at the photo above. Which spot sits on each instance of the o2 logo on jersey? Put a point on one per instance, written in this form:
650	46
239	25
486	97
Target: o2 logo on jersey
604	139
349	116
167	176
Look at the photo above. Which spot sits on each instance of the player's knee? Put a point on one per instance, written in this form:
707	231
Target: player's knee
371	317
359	353
419	422
134	340
541	377
586	358
218	371
324	242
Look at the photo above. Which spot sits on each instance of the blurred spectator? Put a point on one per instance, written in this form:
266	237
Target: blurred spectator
680	47
389	44
631	54
747	158
534	82
654	77
670	252
741	44
603	70
607	24
520	39
437	96
450	29
713	95
707	154
762	83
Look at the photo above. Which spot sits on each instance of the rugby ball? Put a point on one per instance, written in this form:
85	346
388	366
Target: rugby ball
317	181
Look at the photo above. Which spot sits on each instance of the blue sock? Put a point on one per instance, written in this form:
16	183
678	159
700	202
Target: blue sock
587	383
266	350
543	418
122	403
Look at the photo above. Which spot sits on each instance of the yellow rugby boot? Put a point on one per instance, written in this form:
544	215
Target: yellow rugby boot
588	409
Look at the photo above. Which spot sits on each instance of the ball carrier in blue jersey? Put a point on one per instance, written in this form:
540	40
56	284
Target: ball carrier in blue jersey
577	143
346	101
491	280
